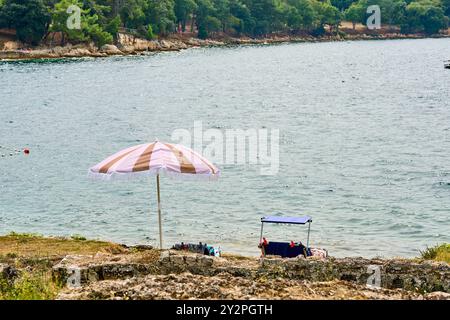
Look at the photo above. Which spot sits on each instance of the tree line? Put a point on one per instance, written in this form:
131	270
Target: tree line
101	19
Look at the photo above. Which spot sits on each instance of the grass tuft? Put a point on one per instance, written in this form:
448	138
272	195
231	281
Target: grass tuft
19	235
78	237
437	253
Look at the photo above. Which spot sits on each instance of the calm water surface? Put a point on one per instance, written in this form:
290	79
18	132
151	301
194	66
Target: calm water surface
364	144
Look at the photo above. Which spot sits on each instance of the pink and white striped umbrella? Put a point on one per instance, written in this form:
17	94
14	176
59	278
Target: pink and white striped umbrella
154	159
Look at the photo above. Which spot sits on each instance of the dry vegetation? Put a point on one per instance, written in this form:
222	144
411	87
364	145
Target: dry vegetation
35	255
32	245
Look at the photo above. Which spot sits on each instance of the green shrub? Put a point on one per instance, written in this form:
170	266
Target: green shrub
113	26
99	36
36	286
150	35
202	32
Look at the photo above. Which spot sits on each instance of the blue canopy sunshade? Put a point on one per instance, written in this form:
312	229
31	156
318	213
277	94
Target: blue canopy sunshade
287	220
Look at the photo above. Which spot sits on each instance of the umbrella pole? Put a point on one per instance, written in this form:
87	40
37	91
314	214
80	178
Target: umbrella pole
159	213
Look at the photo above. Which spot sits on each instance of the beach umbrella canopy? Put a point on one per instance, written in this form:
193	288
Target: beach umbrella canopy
154	159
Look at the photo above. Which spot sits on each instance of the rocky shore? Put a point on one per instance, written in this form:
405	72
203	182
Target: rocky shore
181	275
130	45
82	269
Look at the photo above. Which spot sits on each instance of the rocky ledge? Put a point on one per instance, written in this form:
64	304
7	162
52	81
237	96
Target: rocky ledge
175	275
127	45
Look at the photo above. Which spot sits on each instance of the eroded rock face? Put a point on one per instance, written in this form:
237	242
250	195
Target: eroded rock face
390	274
226	286
424	276
78	270
130	44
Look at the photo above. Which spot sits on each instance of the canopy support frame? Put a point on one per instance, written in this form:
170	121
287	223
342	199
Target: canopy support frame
309	230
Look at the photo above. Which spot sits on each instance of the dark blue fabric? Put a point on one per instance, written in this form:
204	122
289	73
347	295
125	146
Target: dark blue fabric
287	220
283	249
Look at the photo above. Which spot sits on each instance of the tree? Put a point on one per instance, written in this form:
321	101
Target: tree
327	15
424	15
446	7
398	13
205	9
97	34
342	5
99	8
309	15
132	13
301	15
113	26
30	18
184	10
266	15
355	13
89	28
160	14
60	18
433	20
245	22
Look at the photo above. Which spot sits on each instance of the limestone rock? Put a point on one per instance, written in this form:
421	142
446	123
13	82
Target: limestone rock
153	45
78	53
60	51
110	49
205	261
165	256
227	286
438	295
11	45
128	49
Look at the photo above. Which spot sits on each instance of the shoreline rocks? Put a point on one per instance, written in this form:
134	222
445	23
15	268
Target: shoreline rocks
110	49
179	275
410	275
130	45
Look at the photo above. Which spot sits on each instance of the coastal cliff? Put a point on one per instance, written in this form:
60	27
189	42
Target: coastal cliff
81	269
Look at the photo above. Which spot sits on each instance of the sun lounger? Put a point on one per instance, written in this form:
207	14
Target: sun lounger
284	249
